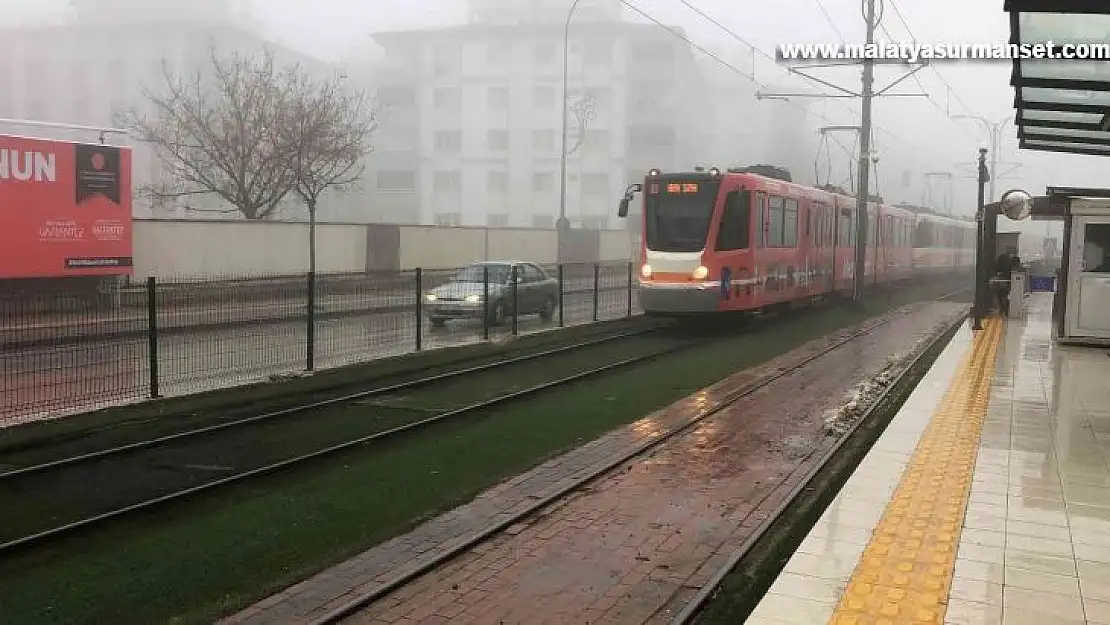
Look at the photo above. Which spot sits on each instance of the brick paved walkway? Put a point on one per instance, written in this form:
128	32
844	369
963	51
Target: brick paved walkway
642	537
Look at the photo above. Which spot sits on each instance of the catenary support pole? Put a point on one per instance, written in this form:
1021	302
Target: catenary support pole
864	167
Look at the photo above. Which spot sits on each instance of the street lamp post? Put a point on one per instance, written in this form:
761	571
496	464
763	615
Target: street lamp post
563	224
994	131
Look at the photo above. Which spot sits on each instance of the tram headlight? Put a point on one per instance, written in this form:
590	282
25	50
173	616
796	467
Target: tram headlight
645	271
701	273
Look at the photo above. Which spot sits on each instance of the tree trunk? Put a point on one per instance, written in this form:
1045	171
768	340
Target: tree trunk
312	235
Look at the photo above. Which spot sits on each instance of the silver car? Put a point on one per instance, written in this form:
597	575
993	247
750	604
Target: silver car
461	297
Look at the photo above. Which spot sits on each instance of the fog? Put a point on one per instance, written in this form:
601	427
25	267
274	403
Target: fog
709	105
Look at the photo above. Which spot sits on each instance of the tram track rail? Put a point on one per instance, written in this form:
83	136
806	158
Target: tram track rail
175	458
819	485
537	505
315	405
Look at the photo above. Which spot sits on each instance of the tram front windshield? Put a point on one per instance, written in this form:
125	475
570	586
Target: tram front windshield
678	214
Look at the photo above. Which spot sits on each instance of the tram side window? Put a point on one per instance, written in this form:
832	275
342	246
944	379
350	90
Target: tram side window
847	231
790	224
817	216
734	233
761	220
775	206
921	238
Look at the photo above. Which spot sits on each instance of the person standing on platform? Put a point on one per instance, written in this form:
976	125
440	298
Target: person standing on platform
1003	268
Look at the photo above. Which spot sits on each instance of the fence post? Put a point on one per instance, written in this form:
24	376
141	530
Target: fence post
310	348
485	302
597	288
419	309
561	291
152	334
516	317
629	288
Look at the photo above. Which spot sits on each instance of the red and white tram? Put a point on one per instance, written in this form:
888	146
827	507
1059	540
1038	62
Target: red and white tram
734	241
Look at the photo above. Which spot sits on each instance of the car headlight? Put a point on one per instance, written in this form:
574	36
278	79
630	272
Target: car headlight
701	273
473	299
431	297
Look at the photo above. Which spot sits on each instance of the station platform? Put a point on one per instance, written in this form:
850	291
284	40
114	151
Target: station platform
986	501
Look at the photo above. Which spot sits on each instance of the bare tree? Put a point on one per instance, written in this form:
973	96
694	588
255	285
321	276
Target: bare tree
216	131
326	135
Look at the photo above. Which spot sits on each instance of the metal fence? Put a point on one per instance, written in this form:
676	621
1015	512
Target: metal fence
62	355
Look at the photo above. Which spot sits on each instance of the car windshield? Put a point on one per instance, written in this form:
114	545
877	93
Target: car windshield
678	215
498	274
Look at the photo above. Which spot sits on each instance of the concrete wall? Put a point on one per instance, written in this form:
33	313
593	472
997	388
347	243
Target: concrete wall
185	249
618	245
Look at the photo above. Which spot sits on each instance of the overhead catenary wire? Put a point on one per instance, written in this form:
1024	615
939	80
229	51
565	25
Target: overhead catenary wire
913	38
928	96
709	53
829	19
757	51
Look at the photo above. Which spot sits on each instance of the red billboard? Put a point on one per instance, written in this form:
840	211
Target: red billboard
65	208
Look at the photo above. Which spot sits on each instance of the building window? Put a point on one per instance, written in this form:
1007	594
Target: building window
543	97
595	222
397	96
497	182
599	52
645	97
446	99
543	181
545	222
646	137
498	98
449	140
595	184
497	53
597	141
445	60
497	139
396	180
600	96
543	141
654	52
448	181
544	53
448	219
497	220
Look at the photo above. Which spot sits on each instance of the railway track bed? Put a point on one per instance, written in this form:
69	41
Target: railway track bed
47	500
196	559
627	528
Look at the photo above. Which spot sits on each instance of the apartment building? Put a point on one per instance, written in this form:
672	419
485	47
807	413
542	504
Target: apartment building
106	53
748	129
471	115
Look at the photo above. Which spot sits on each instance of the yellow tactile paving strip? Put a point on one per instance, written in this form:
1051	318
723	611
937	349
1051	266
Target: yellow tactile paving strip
904	575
